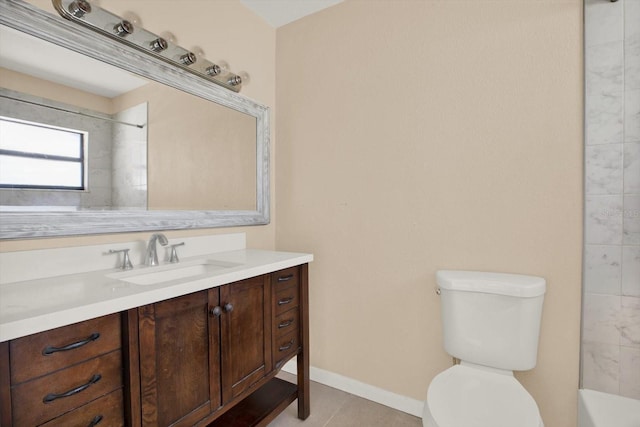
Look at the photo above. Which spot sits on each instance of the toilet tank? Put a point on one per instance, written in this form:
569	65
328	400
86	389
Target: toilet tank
491	319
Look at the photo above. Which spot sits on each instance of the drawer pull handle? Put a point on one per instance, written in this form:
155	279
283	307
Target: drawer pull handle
48	350
285	323
285	278
286	346
95	421
53	396
285	301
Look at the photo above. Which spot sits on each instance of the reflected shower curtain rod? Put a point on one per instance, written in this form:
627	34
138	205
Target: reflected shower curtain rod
80	113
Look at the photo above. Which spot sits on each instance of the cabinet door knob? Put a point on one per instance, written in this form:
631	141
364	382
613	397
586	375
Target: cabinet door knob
216	311
228	307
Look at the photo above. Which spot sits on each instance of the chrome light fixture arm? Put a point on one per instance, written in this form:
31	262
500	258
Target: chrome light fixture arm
111	25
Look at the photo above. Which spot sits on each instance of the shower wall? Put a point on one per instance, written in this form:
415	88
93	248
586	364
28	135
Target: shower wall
611	279
129	160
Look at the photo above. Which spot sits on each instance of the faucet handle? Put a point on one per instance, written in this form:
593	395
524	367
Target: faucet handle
126	261
173	258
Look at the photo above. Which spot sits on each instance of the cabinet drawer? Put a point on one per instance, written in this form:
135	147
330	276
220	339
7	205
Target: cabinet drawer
286	323
40	354
285	299
285	346
35	402
106	411
284	278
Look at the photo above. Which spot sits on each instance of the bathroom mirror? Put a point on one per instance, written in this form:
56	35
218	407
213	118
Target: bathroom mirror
207	168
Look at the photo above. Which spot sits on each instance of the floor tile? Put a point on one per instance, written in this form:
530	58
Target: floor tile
334	408
325	403
359	412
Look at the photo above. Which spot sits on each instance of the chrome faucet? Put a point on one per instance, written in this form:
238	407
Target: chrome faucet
152	254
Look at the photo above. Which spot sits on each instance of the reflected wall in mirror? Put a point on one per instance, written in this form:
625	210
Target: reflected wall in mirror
202	156
177	150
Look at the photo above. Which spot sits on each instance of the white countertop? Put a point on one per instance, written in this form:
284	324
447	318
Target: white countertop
32	306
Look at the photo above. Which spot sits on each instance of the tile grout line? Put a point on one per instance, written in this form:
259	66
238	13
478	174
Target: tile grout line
350	397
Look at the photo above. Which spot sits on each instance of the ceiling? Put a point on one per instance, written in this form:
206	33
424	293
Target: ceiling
281	12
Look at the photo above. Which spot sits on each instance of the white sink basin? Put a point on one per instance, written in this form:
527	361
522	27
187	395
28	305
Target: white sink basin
167	273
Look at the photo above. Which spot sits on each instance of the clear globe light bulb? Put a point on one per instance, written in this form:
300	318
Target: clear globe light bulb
198	51
246	78
224	66
133	18
169	36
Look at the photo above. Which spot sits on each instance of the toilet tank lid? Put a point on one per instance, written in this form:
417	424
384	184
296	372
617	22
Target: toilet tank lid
516	285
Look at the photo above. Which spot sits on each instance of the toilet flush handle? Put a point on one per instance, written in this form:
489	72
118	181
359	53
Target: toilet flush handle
437	290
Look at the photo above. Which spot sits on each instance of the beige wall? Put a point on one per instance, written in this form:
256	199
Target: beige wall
224	29
420	135
45	89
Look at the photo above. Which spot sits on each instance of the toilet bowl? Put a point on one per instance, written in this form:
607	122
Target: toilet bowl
464	396
491	323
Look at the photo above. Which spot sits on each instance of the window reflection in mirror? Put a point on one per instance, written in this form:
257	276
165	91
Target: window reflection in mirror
34	155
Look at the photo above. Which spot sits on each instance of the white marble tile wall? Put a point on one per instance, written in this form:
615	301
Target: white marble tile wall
611	279
129	179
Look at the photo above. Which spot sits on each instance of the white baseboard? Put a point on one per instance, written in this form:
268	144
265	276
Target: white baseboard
360	389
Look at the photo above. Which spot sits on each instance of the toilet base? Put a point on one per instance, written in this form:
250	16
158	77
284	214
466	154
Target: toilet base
428	421
471	396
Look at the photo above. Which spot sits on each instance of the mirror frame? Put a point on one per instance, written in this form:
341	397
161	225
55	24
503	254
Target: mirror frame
29	19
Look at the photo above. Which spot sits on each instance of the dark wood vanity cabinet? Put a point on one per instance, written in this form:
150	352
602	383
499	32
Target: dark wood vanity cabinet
69	376
246	335
202	350
179	358
208	358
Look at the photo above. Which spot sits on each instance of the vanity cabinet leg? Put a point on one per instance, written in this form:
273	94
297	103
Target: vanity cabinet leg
5	386
130	349
304	402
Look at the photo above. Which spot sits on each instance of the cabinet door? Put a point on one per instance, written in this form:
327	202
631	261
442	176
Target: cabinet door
246	334
179	360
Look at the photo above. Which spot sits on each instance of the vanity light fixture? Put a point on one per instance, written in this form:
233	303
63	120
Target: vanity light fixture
131	32
188	58
124	28
159	44
79	8
235	80
214	70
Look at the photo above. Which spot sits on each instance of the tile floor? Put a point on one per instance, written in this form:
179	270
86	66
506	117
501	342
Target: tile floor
335	408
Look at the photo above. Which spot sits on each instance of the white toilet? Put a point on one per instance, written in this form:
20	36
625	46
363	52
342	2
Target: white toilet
491	322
